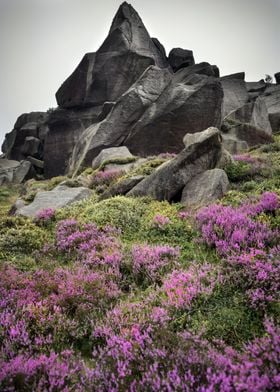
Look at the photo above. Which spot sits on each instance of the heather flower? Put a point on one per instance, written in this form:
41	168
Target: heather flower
151	261
46	215
181	288
160	221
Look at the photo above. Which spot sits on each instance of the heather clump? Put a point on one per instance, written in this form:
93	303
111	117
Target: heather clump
248	246
149	263
89	245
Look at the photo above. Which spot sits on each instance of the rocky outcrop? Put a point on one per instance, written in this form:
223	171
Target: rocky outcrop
107	74
277	77
128	93
59	197
205	188
168	181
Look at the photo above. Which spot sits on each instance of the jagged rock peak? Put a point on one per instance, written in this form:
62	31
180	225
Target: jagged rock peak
104	76
125	12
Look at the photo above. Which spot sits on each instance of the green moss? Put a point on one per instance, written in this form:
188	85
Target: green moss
117	161
224	315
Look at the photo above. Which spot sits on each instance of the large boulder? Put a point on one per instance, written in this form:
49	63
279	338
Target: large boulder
168	181
180	58
182	108
205	188
110	154
27	125
15	172
59	197
277	77
107	74
249	124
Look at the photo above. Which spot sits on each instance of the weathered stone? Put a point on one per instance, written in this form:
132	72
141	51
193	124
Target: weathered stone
249	123
59	197
65	128
23	172
256	87
122	187
27	125
277	77
176	112
110	154
7	169
254	113
226	158
233	145
235	95
168	181
104	76
199	69
180	58
160	48
237	75
205	188
272	101
36	162
12	171
32	146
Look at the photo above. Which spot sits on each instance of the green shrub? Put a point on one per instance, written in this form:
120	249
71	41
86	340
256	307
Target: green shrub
20	236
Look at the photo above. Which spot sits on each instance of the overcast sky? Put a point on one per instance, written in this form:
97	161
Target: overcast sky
42	41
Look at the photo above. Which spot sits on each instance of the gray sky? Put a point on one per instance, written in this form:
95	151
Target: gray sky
42	41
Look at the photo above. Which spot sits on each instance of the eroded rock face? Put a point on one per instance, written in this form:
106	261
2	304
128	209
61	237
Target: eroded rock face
168	181
272	101
59	197
123	57
205	188
180	58
235	95
64	130
27	125
113	130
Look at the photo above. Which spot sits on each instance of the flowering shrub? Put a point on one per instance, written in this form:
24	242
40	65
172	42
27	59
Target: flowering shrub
45	216
246	245
106	177
233	230
160	221
261	272
150	262
182	287
89	244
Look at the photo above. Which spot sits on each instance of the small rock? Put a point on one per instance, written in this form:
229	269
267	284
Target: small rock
59	197
109	154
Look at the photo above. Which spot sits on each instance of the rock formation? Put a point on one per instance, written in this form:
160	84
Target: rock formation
129	93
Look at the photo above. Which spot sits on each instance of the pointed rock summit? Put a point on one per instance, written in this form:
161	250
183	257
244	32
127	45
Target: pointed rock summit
107	74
